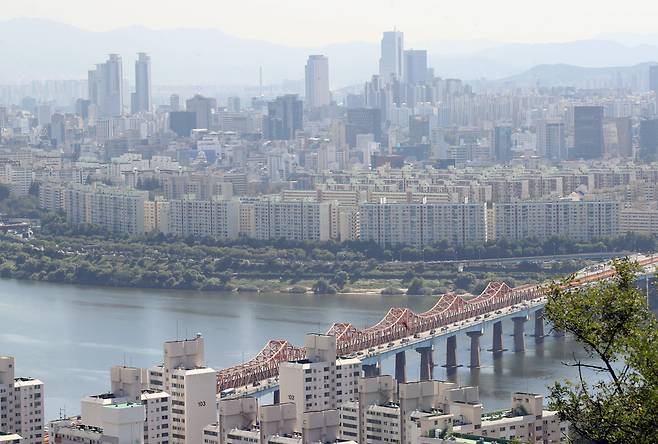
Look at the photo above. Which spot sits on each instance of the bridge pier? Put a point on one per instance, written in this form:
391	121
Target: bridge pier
539	326
519	333
451	353
426	363
401	367
370	370
475	348
277	396
497	343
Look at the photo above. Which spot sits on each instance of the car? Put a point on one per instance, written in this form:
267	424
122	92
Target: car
432	331
404	340
371	349
444	328
486	315
416	336
390	344
477	318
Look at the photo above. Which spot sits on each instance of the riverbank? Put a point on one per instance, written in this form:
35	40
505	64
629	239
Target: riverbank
175	265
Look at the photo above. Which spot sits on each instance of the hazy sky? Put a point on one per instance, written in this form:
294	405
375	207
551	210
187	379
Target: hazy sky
304	22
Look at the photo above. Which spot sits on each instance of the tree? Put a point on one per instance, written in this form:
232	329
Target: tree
416	287
615	399
322	286
340	279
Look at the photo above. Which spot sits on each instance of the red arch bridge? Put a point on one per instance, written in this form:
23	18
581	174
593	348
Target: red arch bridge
402	324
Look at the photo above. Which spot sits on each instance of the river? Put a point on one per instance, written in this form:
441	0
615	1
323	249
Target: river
69	336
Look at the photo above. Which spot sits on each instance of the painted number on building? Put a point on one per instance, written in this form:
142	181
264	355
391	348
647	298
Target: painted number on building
202	403
291	397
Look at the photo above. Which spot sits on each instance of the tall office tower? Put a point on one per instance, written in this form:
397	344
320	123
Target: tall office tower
588	132
363	121
649	138
624	127
105	85
284	118
551	140
653	78
141	98
502	143
415	66
391	63
203	108
174	102
192	387
21	404
317	82
58	129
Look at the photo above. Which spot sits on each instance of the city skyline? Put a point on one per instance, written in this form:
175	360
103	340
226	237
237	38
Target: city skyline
510	21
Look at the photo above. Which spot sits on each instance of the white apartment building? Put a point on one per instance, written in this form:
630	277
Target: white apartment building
192	387
525	421
436	412
320	381
297	220
128	386
577	220
116	423
117	210
423	224
218	219
21	404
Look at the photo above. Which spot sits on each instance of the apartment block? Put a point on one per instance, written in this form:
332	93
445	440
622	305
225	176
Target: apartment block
218	219
320	381
21	404
117	210
297	220
423	224
192	387
577	220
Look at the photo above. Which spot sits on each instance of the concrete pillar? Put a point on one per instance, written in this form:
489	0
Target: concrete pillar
370	370
539	326
497	345
277	396
475	348
426	363
401	367
519	333
451	353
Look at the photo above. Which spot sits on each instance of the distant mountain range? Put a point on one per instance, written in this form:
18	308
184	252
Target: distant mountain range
33	49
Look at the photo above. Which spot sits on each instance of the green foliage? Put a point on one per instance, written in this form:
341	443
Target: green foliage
322	286
615	400
416	287
340	279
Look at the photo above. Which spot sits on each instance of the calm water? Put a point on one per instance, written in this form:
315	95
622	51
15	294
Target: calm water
69	336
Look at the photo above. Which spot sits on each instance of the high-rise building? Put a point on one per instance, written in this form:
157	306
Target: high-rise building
649	137
551	140
363	121
391	60
174	102
320	381
653	78
21	404
105	85
284	118
192	387
502	143
182	122
141	98
317	82
415	66
588	132
203	108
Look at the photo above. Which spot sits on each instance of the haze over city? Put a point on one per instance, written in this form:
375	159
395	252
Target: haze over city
303	222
